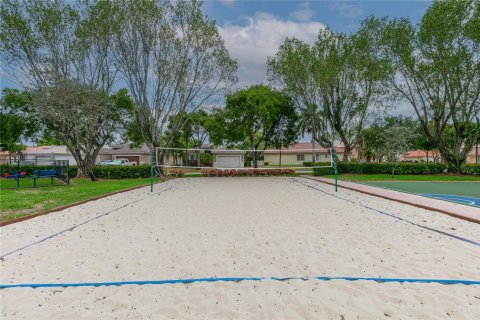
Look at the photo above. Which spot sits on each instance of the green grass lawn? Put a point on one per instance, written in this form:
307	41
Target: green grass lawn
16	203
26	182
388	177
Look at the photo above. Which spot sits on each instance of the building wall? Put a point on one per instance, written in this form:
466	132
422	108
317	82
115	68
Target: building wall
471	158
291	158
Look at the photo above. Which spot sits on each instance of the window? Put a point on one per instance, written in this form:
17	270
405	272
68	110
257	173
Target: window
300	157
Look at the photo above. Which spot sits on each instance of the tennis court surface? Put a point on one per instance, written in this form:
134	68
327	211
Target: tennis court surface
467	193
289	248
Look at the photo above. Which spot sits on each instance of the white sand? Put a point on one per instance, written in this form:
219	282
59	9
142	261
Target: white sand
234	227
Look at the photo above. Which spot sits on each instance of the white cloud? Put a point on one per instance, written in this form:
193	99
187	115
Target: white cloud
260	38
346	9
304	13
228	3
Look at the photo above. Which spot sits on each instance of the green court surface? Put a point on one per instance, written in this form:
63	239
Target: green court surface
461	192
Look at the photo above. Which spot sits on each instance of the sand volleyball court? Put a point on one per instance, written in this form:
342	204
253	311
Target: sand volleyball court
258	227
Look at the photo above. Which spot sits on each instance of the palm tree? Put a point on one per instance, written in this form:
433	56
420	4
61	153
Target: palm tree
309	121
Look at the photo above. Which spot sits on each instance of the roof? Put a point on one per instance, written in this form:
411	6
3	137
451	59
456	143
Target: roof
46	150
125	149
301	148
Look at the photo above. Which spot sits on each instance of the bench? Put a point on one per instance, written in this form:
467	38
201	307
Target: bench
37	174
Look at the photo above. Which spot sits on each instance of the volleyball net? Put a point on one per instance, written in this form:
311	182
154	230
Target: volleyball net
242	159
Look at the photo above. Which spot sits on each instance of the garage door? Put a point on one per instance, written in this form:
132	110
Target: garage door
228	161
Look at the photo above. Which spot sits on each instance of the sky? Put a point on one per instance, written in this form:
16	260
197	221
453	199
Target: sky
254	29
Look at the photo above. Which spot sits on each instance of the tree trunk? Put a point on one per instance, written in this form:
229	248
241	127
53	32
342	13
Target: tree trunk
346	153
84	164
313	152
427	155
85	170
476	153
255	164
454	160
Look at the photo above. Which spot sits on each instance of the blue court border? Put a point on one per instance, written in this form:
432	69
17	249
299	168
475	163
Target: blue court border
238	279
469	201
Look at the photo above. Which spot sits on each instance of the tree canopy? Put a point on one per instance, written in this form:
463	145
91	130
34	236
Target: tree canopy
260	117
437	71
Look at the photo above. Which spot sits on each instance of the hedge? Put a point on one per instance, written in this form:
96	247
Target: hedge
471	168
311	164
122	172
386	168
102	172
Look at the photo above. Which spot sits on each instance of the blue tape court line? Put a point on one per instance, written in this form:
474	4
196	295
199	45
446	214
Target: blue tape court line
175	281
471	201
396	217
74	226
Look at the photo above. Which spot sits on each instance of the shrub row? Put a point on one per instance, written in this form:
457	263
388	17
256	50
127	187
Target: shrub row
471	168
384	168
246	172
401	168
310	164
122	172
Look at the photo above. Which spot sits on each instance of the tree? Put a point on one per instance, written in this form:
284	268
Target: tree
171	56
309	119
397	142
44	42
193	133
373	142
342	74
17	125
58	49
438	72
261	117
82	117
293	70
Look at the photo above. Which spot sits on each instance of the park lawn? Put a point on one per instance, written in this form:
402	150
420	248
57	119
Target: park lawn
388	177
16	203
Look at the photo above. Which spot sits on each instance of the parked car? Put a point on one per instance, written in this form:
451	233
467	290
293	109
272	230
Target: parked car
105	163
122	162
117	162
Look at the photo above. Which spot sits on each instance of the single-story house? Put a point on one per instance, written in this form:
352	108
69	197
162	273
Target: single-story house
431	156
299	153
40	154
47	153
420	156
140	155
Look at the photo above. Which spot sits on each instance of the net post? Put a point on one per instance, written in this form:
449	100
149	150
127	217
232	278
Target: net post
152	169
18	172
335	170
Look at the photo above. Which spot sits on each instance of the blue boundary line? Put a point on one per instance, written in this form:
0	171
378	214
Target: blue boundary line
75	226
238	279
396	217
454	198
